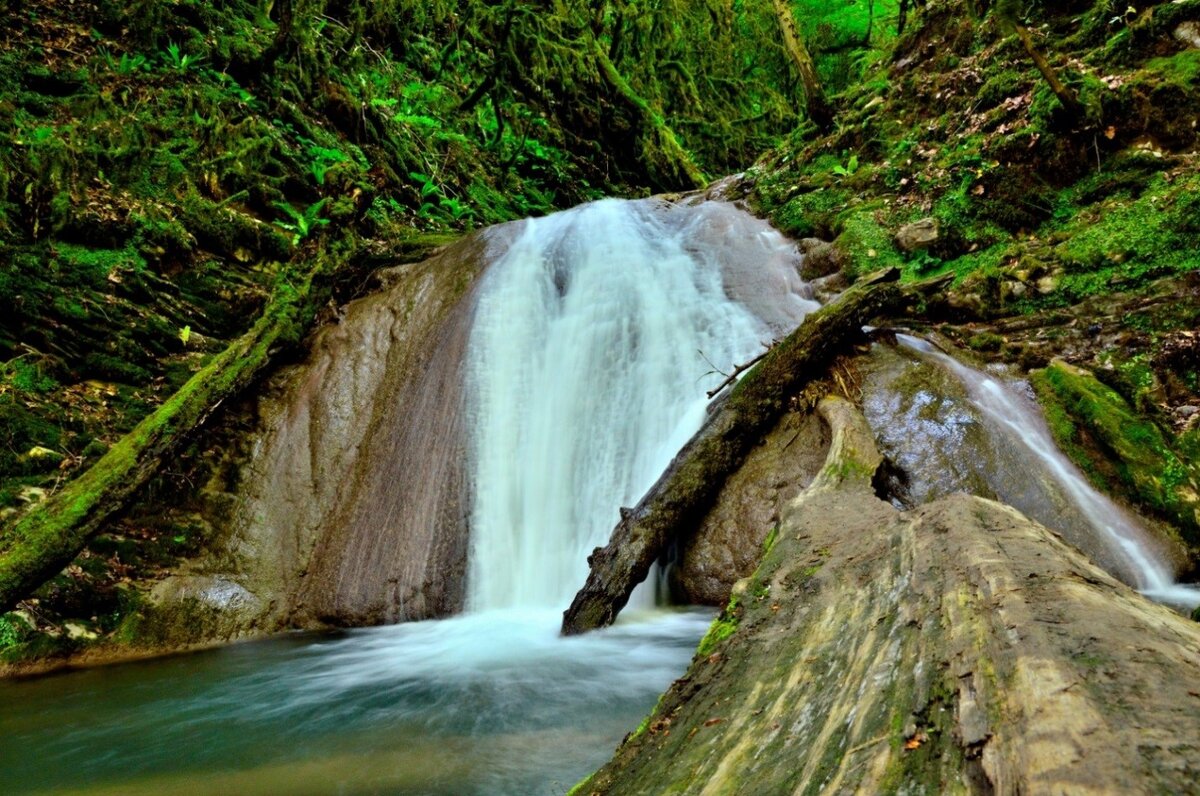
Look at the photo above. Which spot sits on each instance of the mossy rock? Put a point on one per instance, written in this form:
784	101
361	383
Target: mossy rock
1150	470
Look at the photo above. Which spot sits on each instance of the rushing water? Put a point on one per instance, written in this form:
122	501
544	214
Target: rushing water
587	370
595	334
1053	483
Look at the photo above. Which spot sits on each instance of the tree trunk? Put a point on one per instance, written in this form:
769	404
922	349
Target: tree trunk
661	150
1009	14
816	105
43	540
1065	95
686	491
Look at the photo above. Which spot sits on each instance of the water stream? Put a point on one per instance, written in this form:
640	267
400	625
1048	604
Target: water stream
595	334
1021	463
587	370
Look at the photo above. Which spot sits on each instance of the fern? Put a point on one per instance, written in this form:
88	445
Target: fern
302	224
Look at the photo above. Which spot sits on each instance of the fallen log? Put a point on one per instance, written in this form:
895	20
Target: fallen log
47	537
687	489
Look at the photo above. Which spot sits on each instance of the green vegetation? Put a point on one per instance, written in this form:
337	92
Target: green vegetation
722	628
1100	431
956	122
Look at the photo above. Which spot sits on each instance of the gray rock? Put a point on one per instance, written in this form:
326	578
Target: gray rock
821	260
918	235
1188	33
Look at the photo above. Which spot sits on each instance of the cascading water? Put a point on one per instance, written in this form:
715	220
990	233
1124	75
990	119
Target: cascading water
586	373
585	370
1135	555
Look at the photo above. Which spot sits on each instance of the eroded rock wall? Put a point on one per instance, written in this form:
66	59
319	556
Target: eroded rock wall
351	509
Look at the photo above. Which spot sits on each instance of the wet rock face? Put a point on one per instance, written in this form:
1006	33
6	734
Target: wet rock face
728	544
352	508
958	647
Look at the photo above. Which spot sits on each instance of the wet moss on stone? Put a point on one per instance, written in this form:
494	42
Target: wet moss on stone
1095	425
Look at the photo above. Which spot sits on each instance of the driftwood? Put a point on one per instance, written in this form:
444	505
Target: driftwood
691	483
43	540
738	371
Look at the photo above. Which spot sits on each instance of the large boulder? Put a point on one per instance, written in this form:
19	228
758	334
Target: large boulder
958	647
728	544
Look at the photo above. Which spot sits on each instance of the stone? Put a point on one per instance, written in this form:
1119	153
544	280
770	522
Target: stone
1188	33
79	632
1047	285
827	288
37	452
917	236
807	245
31	494
860	612
727	545
821	260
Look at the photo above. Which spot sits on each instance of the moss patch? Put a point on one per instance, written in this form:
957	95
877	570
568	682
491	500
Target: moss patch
1094	424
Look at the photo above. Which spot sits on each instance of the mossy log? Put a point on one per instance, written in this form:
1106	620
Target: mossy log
815	102
661	150
956	648
685	492
43	540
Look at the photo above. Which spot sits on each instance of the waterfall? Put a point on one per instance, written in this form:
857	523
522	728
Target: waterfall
1017	417
596	333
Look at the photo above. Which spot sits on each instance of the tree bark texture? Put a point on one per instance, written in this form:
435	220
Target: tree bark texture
816	104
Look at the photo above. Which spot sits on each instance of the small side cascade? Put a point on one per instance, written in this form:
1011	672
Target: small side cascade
1138	558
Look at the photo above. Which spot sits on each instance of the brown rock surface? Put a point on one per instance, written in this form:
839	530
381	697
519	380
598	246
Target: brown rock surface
728	544
351	510
958	647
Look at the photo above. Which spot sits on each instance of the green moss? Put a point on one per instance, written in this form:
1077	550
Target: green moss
812	213
580	787
985	341
1150	471
772	537
722	628
867	243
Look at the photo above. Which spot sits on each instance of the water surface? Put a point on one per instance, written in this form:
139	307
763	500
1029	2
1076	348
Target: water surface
489	704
